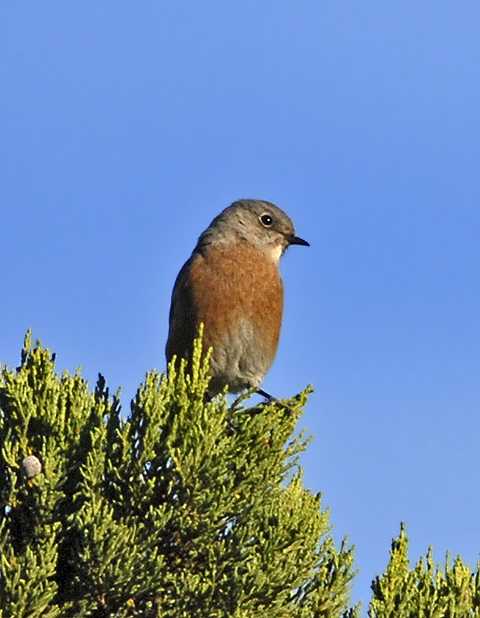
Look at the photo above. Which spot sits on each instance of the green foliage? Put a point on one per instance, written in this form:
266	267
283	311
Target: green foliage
184	509
426	591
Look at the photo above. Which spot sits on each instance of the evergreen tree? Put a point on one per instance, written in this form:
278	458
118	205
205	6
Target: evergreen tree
424	591
184	509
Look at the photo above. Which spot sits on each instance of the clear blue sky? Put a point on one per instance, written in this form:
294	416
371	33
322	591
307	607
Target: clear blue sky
127	126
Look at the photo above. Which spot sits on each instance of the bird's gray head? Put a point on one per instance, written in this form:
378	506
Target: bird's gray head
254	221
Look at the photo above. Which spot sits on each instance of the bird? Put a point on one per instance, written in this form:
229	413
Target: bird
232	284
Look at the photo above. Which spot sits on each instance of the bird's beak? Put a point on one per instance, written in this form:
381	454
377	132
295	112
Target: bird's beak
295	240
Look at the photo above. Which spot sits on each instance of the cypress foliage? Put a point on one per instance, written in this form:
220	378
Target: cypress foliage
425	591
183	509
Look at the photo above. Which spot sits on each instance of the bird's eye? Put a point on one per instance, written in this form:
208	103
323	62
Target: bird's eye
266	220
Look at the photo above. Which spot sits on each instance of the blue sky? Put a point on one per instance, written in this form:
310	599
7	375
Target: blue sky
126	127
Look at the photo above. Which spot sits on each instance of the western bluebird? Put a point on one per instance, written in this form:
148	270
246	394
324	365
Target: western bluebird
232	284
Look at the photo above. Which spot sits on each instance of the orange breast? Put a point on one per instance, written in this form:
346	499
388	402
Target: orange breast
234	284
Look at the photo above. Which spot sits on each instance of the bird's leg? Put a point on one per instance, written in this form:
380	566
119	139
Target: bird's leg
272	399
268	397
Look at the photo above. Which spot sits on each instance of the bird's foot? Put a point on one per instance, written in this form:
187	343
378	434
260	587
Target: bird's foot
271	399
